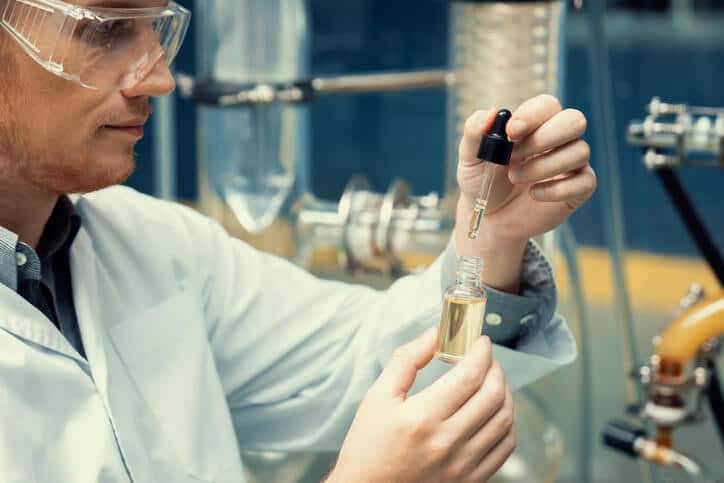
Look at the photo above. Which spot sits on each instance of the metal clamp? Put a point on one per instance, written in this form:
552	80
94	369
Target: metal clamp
373	230
675	135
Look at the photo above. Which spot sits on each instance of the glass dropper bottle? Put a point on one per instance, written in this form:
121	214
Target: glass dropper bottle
463	310
495	151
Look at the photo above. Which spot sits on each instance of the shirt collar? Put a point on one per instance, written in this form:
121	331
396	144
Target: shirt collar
8	262
59	233
60	230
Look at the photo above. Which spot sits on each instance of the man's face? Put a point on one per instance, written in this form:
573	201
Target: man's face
65	138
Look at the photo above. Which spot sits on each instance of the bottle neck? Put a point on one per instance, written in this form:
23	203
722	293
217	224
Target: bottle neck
468	272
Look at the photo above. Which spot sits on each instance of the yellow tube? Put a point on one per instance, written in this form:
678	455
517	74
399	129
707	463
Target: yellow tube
683	337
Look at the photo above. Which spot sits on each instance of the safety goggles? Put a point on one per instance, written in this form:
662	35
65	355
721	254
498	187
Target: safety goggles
98	48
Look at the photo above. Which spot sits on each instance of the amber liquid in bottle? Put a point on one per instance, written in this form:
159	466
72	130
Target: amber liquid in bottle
463	311
460	327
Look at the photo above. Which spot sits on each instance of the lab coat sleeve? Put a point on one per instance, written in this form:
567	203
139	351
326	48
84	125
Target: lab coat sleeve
296	354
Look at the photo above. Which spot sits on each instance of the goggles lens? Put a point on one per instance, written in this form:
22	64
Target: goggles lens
97	48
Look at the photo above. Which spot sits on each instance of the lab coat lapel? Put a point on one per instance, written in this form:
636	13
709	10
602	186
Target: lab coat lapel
22	319
127	413
83	266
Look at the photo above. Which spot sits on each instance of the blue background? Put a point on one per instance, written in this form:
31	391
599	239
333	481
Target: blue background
403	134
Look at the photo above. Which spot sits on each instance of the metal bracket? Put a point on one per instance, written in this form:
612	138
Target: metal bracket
675	135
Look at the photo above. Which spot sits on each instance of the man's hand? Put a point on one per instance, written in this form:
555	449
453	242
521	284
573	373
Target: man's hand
459	429
548	179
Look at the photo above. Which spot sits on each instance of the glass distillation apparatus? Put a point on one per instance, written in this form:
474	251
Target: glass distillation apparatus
249	155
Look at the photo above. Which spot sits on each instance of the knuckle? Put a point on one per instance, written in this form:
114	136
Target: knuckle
551	99
512	441
509	399
486	349
439	449
497	381
585	150
578	120
472	123
496	392
486	344
461	155
455	470
507	420
498	370
417	427
470	376
468	124
592	181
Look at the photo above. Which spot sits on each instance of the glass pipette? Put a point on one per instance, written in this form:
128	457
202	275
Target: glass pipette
495	151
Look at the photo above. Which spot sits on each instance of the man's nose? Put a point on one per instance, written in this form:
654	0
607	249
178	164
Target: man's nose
158	83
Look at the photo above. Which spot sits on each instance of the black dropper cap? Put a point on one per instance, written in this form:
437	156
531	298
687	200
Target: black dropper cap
495	146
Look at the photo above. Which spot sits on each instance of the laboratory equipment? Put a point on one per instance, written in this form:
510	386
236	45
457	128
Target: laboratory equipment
501	53
674	135
494	154
394	232
251	157
520	39
265	72
673	394
463	311
230	94
390	234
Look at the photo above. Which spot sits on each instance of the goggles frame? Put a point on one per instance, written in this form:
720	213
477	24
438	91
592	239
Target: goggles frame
69	18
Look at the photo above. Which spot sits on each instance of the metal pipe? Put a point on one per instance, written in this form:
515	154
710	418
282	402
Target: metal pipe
607	151
568	247
233	94
392	81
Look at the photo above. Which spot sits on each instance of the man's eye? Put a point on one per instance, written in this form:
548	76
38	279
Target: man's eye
114	27
104	32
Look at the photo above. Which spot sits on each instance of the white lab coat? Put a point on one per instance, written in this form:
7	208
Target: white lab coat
197	346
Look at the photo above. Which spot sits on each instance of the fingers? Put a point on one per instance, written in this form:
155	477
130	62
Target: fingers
571	157
446	395
531	115
490	433
476	126
559	130
399	373
492	462
573	190
482	406
491	446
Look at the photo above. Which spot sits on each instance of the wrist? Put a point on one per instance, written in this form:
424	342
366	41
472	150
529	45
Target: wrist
502	254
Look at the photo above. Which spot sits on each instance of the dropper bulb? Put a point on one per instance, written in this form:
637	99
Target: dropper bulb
501	122
495	146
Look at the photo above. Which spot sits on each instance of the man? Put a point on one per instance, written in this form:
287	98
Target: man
139	342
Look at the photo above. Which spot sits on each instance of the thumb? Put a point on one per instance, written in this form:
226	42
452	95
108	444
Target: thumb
477	125
400	371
